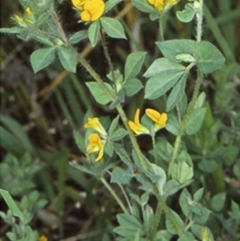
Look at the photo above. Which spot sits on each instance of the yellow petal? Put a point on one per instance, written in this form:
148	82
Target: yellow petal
153	114
95	124
100	155
162	120
94	10
136	116
79	3
85	16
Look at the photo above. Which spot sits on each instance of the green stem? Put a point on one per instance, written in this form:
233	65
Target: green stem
166	210
113	193
185	120
58	25
156	221
154	145
199	18
161	30
107	55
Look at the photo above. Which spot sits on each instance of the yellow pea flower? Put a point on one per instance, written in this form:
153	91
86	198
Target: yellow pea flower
95	145
95	124
162	5
91	10
135	125
159	119
42	238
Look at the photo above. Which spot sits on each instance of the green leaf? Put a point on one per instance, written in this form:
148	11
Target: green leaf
132	86
133	64
120	176
235	210
78	36
161	177
176	93
118	134
170	227
93	33
187	14
185	202
173	124
171	48
161	66
41	58
198	194
123	155
209	57
158	85
67	58
42	39
143	6
171	187
195	120
97	92
218	201
111	4
11	203
113	126
187	236
79	141
113	27
208	166
109	148
13	30
128	220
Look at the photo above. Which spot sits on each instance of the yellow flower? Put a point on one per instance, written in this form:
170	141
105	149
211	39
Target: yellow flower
42	238
91	10
95	124
136	126
159	119
24	21
162	5
95	145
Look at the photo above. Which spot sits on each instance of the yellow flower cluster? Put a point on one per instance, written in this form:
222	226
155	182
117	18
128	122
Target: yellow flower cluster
162	5
96	144
159	120
91	10
26	20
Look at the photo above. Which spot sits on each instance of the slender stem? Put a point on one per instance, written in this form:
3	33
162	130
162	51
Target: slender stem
199	19
154	145
106	52
126	198
161	30
166	210
58	25
156	222
185	120
113	193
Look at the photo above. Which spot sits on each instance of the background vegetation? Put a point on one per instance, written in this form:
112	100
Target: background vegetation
39	112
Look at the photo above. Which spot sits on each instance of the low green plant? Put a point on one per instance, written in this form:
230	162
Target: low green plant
177	160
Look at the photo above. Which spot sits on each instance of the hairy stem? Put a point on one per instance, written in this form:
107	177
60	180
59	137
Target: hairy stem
199	19
114	194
